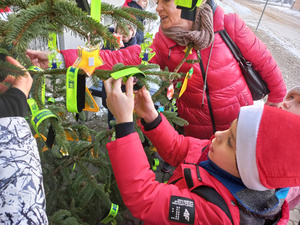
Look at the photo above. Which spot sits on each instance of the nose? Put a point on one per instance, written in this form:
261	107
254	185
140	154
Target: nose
219	136
286	104
159	6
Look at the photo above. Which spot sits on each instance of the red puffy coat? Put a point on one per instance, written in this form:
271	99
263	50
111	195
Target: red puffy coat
228	90
149	200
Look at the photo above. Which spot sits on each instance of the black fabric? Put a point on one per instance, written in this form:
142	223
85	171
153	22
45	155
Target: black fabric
124	129
50	137
80	92
153	125
212	4
139	33
188	177
2	56
258	87
211	195
13	103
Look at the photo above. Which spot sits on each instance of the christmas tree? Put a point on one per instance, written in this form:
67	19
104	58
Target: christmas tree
78	179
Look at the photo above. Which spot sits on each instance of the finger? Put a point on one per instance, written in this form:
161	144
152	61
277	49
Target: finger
3	88
129	87
108	85
9	79
117	85
11	60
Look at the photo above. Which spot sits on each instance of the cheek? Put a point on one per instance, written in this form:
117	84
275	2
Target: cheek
295	109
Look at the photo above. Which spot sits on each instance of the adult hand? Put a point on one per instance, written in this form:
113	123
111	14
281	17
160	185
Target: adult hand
144	106
273	104
23	83
38	58
120	104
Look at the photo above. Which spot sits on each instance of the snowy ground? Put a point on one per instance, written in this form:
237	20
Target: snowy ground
279	29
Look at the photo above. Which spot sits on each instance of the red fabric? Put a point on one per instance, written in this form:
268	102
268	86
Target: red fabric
126	3
149	200
283	168
228	90
7	9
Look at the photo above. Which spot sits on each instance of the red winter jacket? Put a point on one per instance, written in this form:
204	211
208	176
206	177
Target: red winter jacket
228	90
149	200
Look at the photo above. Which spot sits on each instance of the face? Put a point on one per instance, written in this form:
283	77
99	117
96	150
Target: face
125	36
291	103
142	3
170	15
222	151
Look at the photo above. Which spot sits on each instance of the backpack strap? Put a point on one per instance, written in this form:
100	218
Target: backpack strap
212	4
208	193
211	195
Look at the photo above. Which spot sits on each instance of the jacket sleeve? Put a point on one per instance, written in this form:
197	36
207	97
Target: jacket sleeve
149	200
22	190
127	56
255	51
171	146
13	103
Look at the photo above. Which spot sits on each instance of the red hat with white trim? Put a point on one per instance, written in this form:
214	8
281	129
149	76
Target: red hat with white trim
268	147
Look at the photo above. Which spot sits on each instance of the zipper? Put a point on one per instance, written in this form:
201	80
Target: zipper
206	90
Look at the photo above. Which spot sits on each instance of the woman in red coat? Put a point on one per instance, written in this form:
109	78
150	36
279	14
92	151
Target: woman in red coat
222	81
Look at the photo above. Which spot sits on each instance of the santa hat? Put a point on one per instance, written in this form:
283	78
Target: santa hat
294	90
268	147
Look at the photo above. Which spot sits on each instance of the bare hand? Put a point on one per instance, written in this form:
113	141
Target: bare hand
23	83
144	106
38	58
120	104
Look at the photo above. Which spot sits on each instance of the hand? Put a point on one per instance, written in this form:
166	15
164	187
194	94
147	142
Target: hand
23	83
38	58
120	104
272	104
144	106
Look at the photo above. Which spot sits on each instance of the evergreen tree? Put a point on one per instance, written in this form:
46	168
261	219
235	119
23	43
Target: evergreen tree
79	183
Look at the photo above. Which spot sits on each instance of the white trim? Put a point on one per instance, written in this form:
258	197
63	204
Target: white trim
247	130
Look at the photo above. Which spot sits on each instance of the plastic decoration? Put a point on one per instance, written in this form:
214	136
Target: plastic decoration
184	85
88	58
146	52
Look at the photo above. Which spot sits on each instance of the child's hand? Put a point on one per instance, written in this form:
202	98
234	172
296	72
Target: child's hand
120	104
144	106
23	83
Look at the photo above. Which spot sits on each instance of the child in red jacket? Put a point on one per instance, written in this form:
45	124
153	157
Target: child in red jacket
247	164
291	103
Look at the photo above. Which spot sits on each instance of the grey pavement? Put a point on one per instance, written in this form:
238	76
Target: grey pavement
295	216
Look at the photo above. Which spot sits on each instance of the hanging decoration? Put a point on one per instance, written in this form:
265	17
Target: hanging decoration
146	52
38	116
54	62
184	85
88	58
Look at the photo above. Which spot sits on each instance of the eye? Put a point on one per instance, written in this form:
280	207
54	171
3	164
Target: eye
229	142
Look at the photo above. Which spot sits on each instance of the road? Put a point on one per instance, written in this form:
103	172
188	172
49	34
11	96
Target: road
279	29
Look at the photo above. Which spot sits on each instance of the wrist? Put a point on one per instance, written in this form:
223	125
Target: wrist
124	119
151	117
